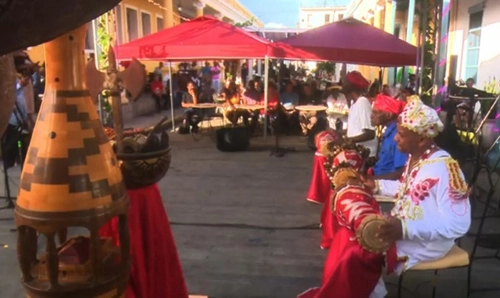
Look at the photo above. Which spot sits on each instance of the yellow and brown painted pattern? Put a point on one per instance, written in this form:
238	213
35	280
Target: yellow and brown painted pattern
70	164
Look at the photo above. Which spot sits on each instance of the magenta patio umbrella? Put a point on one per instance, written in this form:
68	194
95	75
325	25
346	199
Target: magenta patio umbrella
352	41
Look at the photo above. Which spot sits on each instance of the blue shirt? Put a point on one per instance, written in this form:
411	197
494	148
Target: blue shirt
20	107
390	158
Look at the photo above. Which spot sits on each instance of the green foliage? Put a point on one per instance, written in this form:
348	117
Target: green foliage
245	24
329	67
103	40
492	86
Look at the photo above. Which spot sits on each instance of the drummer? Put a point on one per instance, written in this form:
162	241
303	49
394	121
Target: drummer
433	187
192	117
312	122
289	99
359	127
390	161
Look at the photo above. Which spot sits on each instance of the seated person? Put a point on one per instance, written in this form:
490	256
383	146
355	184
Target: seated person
191	116
309	95
390	160
207	93
272	105
289	98
308	120
464	111
432	187
251	94
231	94
350	205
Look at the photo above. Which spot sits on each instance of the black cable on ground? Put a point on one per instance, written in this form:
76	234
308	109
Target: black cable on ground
245	226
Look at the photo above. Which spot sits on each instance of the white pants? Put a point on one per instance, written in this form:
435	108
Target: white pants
380	291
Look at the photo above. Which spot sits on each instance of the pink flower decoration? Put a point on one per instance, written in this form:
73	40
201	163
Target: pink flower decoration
421	190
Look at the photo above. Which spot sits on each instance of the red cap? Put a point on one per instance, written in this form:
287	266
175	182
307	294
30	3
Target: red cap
356	79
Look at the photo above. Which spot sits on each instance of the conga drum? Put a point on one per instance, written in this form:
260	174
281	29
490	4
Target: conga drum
366	234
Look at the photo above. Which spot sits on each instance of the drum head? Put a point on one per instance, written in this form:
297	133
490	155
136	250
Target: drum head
367	231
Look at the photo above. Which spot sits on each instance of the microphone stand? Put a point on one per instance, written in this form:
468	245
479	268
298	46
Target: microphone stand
278	151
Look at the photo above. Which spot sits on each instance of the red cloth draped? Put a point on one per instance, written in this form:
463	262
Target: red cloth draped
156	268
388	104
319	188
327	223
350	271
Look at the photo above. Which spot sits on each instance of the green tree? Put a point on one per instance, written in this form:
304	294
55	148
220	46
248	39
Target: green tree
245	24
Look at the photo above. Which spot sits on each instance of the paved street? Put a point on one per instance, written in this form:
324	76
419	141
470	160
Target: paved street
243	228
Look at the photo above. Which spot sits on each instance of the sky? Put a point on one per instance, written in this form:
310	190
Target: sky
284	13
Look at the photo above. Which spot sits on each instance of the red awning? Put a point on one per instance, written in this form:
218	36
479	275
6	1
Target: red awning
206	38
352	41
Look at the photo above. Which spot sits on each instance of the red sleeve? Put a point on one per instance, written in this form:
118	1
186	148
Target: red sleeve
352	206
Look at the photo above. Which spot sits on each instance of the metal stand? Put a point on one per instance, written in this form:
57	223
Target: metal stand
278	151
7	196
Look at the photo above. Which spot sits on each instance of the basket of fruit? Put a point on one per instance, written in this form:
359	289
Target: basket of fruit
144	156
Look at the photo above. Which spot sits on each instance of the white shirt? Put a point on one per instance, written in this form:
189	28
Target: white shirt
433	207
359	120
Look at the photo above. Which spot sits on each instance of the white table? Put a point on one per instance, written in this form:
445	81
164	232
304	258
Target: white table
311	108
250	107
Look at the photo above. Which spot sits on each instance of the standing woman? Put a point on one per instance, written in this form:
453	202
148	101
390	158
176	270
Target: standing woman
158	90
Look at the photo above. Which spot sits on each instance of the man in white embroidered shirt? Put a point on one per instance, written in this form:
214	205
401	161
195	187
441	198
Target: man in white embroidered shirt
432	187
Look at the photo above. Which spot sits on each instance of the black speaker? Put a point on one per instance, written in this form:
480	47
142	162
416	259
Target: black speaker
232	139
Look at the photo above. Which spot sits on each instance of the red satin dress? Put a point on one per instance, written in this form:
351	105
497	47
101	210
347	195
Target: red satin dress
320	186
327	218
350	271
156	268
327	223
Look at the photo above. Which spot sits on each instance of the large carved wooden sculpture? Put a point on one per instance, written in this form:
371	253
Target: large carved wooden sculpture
71	178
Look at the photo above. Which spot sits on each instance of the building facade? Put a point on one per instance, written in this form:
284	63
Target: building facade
312	17
474	50
138	18
384	15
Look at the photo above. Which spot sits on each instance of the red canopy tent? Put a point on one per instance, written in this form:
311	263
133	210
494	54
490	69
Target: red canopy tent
352	41
206	38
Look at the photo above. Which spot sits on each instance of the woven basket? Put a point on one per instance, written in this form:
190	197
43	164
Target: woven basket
143	169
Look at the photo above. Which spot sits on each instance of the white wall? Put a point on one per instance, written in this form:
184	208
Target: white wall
489	55
317	16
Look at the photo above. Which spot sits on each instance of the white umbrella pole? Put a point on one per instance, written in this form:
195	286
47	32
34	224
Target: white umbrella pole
171	95
266	94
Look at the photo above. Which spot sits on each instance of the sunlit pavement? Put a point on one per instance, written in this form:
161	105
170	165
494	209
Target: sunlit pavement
243	227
